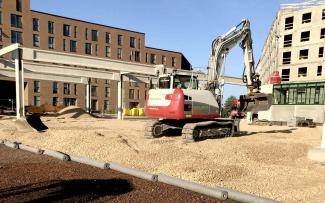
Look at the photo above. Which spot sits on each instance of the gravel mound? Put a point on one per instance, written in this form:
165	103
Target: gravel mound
268	161
73	112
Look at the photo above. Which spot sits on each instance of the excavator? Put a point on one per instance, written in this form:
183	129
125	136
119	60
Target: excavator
178	103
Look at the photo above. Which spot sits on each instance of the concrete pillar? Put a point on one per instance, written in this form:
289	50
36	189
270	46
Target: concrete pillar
322	145
19	74
316	153
88	96
120	98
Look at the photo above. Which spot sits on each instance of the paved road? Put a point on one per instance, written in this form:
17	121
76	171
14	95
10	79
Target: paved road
27	177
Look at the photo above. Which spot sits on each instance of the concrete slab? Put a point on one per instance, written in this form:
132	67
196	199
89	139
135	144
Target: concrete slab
317	154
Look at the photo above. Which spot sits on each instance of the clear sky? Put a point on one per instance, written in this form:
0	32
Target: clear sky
187	26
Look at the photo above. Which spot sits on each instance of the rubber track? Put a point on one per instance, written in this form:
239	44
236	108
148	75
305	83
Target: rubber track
188	130
148	131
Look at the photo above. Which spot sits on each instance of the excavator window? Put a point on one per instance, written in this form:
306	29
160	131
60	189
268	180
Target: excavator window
185	82
164	83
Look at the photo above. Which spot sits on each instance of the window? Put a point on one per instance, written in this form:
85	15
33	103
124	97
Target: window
50	26
321	52
107	82
163	60
153	58
73	46
173	61
106	105
66	88
132	42
107	91
302	72
88	48
94	91
288	23
304	36
0	34
51	42
120	40
108	38
323	14
131	93
319	70
108	51
119	53
16	37
19	5
75	31
66	30
0	17
37	86
305	93
35	24
16	21
55	101
94	35
1	2
137	56
306	18
69	101
286	57
285	75
36	40
303	54
55	87
75	89
86	34
94	105
37	101
322	33
64	45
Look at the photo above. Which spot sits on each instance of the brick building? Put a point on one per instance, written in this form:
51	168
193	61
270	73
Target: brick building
38	30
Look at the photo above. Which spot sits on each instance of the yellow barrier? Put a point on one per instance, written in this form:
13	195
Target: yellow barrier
134	112
126	112
141	111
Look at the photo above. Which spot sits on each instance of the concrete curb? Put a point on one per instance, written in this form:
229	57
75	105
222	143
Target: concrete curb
133	172
91	162
13	145
56	154
31	149
216	192
246	197
212	192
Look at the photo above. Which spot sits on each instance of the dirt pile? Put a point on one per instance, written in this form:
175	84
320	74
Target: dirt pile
73	112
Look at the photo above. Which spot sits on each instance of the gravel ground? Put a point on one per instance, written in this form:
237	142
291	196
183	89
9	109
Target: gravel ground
268	161
26	177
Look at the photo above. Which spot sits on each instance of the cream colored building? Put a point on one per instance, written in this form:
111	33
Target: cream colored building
295	44
295	48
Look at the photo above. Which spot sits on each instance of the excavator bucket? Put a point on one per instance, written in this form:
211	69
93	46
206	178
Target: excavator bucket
255	102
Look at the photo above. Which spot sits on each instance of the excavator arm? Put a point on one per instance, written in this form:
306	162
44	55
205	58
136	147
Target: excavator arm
240	34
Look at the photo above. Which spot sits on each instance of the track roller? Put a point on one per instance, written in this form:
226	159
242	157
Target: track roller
153	129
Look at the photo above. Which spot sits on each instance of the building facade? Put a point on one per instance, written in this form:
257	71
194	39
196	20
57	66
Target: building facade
38	30
295	48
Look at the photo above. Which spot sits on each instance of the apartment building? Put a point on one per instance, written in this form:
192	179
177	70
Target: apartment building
39	30
295	48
